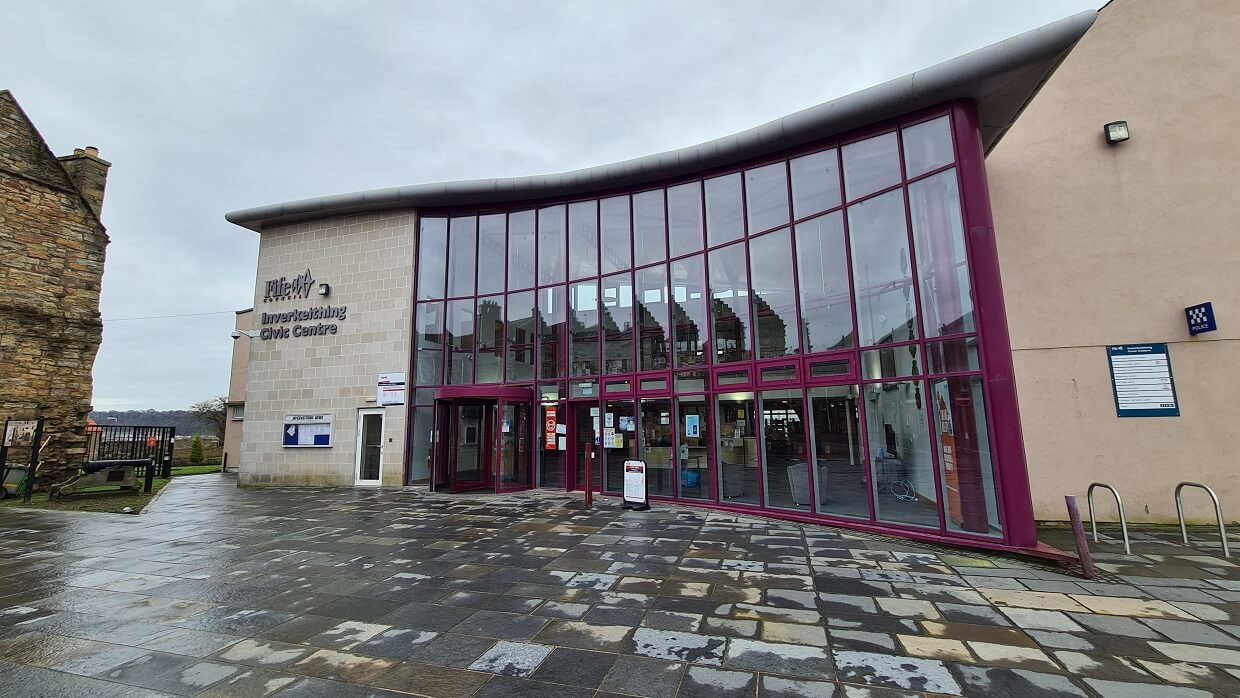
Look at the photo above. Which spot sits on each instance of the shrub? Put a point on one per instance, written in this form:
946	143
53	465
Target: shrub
195	451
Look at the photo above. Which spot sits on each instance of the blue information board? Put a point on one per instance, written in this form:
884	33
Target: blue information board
307	431
1141	380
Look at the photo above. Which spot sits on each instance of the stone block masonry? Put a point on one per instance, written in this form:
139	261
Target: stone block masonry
297	367
52	246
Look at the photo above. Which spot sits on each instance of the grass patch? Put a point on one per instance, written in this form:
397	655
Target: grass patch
103	499
107	499
178	470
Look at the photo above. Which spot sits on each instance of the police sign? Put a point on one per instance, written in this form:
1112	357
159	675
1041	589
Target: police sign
1200	318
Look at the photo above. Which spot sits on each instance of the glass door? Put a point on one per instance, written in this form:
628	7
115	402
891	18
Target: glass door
585	435
515	447
472	446
369	446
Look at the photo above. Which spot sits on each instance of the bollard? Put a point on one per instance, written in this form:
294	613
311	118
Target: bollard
1082	543
589	476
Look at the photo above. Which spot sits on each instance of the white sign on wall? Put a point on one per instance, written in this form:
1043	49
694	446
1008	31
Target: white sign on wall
391	389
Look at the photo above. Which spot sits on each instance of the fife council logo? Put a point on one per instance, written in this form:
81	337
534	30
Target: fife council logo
282	289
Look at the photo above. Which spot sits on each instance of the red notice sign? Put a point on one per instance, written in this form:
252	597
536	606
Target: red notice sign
549	432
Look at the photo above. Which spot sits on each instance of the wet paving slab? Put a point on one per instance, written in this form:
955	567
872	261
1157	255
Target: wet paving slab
221	592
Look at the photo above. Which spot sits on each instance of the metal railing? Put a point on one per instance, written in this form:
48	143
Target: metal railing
1123	522
1218	513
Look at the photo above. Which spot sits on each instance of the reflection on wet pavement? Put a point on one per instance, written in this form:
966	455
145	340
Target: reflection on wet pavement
220	591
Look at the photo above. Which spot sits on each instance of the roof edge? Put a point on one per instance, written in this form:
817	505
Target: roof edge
1000	78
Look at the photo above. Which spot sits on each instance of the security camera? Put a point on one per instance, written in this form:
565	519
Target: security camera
236	334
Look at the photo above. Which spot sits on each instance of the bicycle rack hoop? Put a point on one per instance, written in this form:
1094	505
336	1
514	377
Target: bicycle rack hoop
1218	513
1123	521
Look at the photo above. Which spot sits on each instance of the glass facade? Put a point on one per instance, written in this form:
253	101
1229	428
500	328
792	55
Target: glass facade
794	335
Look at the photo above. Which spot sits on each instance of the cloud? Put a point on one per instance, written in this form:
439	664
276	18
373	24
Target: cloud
212	106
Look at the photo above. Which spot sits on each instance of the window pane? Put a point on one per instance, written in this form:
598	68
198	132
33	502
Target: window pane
884	292
815	183
583	239
691	381
462	251
521	250
649	237
689	318
432	257
737	449
420	445
619	439
825	369
491	253
684	218
766	197
490	325
822	272
552	329
892	362
653	384
784	457
615	241
942	262
428	331
778	374
652	327
693	454
964	454
953	355
551	257
723	209
584	328
521	331
900	453
617	319
871	165
839	476
927	146
461	341
656	445
774	294
729	293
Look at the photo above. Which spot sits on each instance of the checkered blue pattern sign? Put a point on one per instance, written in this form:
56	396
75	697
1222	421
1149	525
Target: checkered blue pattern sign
1200	318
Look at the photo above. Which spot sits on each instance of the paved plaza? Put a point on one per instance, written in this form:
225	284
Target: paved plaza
217	591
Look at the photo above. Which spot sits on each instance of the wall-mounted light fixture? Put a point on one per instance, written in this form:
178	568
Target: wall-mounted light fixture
325	289
252	334
1115	132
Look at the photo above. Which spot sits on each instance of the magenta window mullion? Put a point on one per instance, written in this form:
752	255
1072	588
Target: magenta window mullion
796	282
871	491
914	279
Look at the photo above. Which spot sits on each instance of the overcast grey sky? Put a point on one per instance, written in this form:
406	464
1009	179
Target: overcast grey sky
205	107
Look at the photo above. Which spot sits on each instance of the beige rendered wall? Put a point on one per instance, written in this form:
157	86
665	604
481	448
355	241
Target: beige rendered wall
368	261
235	402
1104	245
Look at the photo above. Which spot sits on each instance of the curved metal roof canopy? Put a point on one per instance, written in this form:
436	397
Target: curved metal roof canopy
1000	79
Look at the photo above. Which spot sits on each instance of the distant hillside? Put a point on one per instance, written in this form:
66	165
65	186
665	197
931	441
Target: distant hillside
186	422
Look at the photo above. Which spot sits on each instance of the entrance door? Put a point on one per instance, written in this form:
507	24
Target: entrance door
369	447
585	434
516	447
472	446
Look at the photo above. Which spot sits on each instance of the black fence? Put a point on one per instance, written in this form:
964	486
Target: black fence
114	442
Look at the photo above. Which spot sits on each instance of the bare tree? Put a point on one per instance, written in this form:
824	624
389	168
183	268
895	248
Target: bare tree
213	412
